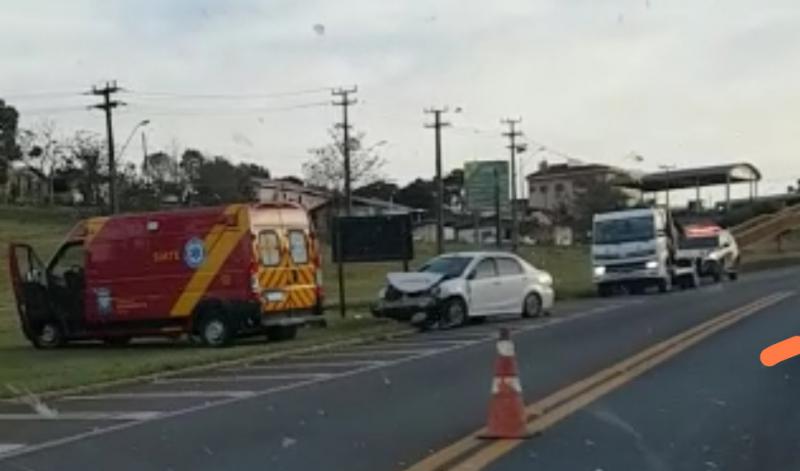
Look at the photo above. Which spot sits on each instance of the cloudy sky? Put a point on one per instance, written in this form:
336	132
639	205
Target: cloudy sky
680	82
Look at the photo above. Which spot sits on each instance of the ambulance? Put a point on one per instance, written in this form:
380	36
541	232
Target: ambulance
212	273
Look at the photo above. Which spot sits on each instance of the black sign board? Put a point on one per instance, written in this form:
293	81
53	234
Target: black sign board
373	238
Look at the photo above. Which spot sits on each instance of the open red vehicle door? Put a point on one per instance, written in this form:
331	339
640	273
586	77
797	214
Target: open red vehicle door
30	291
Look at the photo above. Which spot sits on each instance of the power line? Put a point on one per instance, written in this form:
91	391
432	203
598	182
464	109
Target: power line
38	95
208	111
227	96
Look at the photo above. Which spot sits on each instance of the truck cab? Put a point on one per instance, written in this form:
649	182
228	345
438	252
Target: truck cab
635	249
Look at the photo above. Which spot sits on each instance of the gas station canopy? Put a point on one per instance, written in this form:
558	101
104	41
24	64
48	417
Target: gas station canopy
694	177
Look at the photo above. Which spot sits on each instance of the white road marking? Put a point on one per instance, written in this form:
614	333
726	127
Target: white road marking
233	378
310	365
144	415
368	353
6	447
368	366
159	395
415	346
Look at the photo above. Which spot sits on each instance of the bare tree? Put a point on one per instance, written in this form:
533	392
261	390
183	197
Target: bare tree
44	151
325	168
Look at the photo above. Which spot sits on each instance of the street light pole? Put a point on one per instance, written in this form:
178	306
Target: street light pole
141	124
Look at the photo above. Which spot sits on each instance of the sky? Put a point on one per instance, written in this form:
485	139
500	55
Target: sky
683	83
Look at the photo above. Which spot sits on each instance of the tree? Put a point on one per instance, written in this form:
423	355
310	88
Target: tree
379	189
160	168
592	196
86	151
219	181
44	151
9	150
417	194
326	166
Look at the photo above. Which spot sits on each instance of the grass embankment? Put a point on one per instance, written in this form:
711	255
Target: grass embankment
23	366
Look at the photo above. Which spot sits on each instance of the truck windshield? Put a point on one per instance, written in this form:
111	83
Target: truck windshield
450	267
699	242
614	231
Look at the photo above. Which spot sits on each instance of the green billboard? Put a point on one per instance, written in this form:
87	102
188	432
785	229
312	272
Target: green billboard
482	179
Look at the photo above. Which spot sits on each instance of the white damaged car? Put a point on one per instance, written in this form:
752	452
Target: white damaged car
452	288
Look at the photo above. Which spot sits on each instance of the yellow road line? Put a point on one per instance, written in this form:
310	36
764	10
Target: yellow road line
471	453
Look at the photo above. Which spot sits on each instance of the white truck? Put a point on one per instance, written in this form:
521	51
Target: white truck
635	249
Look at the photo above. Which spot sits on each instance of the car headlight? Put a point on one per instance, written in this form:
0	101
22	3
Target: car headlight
651	265
382	293
545	278
599	270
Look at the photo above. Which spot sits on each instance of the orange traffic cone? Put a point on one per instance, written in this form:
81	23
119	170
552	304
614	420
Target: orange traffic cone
506	409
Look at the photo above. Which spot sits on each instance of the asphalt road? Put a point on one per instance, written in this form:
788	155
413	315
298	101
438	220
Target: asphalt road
387	406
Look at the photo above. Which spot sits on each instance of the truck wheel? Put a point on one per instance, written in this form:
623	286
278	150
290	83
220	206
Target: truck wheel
49	336
733	276
532	306
279	333
664	285
716	273
214	329
604	290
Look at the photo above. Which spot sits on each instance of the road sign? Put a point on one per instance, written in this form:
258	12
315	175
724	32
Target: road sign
373	238
481	180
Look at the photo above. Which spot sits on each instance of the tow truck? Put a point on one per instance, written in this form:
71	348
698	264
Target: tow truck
635	249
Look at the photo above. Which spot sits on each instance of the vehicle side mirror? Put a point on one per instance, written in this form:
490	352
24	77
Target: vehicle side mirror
726	245
33	275
471	275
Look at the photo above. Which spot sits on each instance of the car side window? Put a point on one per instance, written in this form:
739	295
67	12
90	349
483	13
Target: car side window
487	268
508	267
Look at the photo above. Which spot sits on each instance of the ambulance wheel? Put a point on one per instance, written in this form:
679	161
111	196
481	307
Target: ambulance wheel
49	336
120	341
279	333
214	329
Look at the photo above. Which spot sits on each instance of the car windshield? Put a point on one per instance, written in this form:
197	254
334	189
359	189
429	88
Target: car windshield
614	231
699	242
450	267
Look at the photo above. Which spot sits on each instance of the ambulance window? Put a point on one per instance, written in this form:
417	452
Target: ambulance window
298	246
270	248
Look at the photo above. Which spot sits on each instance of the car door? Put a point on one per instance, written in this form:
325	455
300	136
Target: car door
512	285
483	283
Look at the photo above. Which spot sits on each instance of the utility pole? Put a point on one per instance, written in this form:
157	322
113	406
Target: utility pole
108	105
497	224
437	127
512	136
344	101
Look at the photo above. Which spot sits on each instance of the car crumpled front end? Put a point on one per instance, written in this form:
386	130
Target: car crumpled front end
409	297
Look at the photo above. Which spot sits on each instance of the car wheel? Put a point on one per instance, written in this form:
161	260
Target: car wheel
49	336
532	306
733	276
279	333
454	313
214	330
